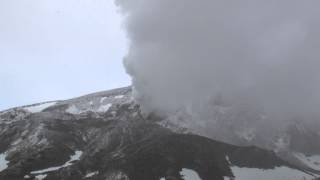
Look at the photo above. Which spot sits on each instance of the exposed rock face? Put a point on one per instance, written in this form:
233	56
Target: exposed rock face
103	136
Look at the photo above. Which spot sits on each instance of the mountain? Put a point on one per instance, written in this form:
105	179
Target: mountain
104	136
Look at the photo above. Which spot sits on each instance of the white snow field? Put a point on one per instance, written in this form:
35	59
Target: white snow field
74	157
280	173
104	108
3	162
188	174
40	107
311	161
89	175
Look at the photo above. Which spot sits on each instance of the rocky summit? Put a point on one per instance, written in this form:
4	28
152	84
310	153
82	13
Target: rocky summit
104	136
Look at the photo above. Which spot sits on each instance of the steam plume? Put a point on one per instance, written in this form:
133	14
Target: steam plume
184	54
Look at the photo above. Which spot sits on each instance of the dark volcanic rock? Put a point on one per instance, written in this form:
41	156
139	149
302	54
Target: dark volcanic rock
103	136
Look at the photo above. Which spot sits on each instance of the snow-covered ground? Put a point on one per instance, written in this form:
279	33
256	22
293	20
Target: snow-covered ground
103	99
39	108
188	174
92	174
72	109
311	161
280	173
74	157
3	162
41	177
119	97
104	108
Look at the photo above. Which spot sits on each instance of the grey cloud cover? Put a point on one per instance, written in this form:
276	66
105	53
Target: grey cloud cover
57	49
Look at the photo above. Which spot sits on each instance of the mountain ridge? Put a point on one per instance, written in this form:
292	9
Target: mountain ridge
115	141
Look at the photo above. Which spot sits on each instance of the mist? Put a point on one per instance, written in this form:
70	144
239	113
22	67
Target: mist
258	55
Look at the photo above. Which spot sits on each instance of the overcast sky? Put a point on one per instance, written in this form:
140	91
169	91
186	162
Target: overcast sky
57	49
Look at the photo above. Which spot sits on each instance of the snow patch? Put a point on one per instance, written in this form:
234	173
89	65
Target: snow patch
119	97
103	99
74	157
228	159
40	107
189	174
278	173
3	162
311	161
104	108
92	174
41	177
26	177
36	138
73	110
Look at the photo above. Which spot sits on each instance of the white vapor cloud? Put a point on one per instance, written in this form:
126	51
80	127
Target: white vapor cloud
265	54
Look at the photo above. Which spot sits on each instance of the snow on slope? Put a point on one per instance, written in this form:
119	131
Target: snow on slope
73	110
99	102
189	174
74	157
3	162
40	107
89	175
104	108
96	102
119	97
311	161
101	109
280	173
41	177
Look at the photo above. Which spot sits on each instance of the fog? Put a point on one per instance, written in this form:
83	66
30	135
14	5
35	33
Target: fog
186	54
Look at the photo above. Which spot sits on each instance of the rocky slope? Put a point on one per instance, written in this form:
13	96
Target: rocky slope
104	136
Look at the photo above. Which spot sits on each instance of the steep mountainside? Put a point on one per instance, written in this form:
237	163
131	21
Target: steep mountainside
104	136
